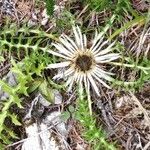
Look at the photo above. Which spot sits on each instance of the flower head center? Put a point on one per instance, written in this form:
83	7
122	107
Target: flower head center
83	62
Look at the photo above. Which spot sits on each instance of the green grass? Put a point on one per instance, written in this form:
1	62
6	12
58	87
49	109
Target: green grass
93	133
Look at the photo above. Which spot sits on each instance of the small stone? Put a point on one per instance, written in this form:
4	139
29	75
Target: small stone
57	97
44	21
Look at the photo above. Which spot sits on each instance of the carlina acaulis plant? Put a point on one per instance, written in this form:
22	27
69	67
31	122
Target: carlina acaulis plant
83	65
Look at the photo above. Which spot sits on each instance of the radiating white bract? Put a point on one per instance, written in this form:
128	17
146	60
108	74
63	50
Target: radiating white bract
72	51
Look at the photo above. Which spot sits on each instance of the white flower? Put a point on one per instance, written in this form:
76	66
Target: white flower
83	65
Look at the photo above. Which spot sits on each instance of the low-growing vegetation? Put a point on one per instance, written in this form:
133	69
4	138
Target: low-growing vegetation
88	60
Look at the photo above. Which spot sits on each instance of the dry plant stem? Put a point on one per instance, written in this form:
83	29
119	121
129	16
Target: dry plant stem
107	121
16	14
82	12
141	42
23	140
136	101
101	107
133	31
146	146
67	146
5	68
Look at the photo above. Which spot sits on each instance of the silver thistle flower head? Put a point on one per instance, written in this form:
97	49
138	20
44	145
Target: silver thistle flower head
82	64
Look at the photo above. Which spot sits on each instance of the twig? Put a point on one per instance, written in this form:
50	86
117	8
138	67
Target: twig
147	146
146	116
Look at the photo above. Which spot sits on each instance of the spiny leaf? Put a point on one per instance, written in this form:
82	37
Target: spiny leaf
5	139
16	100
35	84
1	59
2	118
6	87
14	119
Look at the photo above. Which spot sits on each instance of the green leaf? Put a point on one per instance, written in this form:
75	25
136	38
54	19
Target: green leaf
10	133
14	119
1	146
35	84
5	139
3	115
71	109
1	59
50	6
7	104
6	87
65	116
43	88
39	69
17	100
46	91
139	20
22	89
